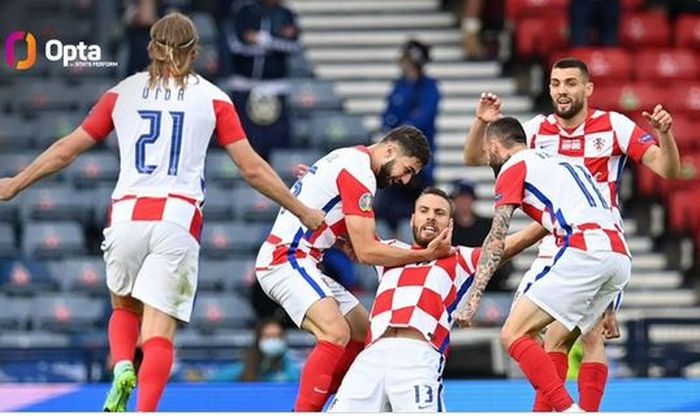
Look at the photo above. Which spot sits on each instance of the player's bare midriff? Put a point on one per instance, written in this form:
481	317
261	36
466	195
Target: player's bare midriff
393	332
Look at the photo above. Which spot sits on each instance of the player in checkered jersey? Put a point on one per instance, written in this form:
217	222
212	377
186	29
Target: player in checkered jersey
591	266
601	141
401	368
164	119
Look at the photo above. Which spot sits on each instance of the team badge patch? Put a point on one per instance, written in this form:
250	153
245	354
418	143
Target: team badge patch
645	139
366	202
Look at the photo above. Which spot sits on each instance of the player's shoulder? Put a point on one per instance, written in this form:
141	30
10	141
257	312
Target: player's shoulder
354	157
535	121
207	88
611	118
133	82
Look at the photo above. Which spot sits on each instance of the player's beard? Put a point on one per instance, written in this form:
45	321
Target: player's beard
384	175
423	242
574	108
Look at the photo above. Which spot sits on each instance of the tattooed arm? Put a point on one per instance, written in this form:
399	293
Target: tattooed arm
492	253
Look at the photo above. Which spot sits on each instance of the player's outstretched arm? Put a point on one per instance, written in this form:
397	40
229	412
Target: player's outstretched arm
517	242
487	110
260	175
370	251
492	253
664	160
54	159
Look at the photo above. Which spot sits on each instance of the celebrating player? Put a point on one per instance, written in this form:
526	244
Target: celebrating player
591	266
401	369
163	119
601	141
342	184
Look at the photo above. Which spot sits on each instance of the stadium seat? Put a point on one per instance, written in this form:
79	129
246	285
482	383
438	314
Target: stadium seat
232	339
220	169
333	130
218	205
664	66
62	313
540	37
53	240
517	9
8	242
628	97
16	133
689	177
213	273
242	276
632	5
14	313
606	65
24	277
33	339
688	31
285	161
686	131
9	211
101	199
308	95
45	96
639	31
52	126
206	27
686	99
215	312
95	168
684	217
80	275
299	67
226	239
91	91
253	206
56	203
494	309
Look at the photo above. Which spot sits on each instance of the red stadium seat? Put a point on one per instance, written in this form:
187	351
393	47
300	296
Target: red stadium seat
644	30
541	36
686	131
683	212
518	9
606	65
632	5
630	98
688	31
666	65
686	99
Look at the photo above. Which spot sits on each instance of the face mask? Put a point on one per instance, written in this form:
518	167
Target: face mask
273	347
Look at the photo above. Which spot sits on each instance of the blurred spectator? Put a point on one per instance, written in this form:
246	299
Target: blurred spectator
602	15
268	359
471	230
138	17
414	100
471	28
264	34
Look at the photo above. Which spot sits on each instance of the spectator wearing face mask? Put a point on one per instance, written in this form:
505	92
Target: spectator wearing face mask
268	359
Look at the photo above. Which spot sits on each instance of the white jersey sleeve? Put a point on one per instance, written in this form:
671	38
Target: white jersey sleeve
531	128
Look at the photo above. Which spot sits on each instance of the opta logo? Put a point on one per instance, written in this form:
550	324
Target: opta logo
26	63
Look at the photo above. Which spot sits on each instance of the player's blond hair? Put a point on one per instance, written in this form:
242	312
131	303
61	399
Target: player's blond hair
173	49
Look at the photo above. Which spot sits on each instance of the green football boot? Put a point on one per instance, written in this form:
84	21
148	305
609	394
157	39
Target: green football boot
122	386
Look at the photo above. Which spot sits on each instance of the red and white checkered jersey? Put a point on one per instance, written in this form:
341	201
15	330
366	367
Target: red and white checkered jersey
163	135
562	196
602	144
423	296
341	183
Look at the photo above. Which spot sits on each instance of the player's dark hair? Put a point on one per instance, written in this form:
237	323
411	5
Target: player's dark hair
571	62
508	131
433	190
412	142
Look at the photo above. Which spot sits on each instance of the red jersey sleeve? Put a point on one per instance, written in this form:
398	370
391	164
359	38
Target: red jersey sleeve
228	126
355	197
98	123
510	185
639	143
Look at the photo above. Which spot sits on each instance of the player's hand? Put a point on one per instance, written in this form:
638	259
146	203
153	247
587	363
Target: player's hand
8	190
313	219
659	119
441	246
611	330
300	170
488	109
465	316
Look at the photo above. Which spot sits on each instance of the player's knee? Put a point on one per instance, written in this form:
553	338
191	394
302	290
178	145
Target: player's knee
508	335
336	332
593	341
